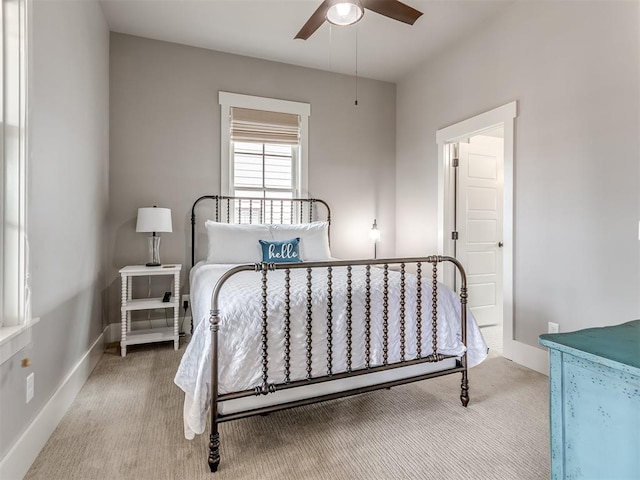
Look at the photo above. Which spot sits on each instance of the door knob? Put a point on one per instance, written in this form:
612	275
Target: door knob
500	244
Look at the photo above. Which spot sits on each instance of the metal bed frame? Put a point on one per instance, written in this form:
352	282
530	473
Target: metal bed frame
306	209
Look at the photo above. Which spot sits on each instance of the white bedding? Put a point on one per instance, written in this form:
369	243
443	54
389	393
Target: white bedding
240	363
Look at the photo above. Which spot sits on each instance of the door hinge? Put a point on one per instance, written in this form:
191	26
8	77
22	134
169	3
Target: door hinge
455	162
454	235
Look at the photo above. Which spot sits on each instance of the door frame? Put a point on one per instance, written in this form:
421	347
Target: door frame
505	116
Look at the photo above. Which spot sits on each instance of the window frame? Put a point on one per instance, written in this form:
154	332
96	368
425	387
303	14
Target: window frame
14	305
15	319
229	100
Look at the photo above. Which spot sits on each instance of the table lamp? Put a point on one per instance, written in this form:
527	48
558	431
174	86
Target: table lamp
154	220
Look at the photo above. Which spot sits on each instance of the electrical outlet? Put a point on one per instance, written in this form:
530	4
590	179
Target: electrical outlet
185	301
30	386
553	327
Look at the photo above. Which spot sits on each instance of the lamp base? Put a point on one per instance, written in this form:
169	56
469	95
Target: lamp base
154	250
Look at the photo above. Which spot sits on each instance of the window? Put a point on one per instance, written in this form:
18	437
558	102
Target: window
263	170
13	96
264	154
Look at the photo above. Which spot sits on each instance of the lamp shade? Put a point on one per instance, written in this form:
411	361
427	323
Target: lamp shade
344	12
154	219
374	233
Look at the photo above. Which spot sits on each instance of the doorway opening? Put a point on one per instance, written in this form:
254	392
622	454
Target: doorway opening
478	166
476	216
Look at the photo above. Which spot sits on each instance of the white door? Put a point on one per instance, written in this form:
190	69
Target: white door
479	226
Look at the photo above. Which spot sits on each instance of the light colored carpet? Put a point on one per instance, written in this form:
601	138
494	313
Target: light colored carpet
126	423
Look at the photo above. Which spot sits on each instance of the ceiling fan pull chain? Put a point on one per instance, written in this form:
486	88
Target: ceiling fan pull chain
330	43
356	103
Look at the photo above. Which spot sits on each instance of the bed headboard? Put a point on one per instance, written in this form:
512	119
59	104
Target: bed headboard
247	210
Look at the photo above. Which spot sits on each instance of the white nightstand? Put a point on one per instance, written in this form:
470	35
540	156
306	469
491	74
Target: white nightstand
129	337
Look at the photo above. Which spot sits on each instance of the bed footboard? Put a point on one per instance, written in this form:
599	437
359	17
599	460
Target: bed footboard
421	330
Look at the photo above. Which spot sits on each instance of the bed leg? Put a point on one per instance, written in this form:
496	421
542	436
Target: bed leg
464	394
214	452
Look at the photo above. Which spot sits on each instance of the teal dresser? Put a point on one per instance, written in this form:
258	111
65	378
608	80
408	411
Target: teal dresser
594	392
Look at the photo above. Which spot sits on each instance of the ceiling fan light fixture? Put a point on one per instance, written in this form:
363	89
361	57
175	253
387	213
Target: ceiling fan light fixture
344	12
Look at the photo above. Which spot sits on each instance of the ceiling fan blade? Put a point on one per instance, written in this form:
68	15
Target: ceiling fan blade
393	9
315	21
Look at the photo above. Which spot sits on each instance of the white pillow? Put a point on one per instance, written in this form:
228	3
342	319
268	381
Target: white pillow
235	243
314	239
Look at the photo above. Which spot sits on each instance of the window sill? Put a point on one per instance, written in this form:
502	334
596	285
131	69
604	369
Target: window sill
14	339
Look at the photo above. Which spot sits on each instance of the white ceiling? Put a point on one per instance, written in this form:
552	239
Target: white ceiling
387	49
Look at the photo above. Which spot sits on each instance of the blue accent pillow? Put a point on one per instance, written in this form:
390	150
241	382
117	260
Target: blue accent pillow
287	251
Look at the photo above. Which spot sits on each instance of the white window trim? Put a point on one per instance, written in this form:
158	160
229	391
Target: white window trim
15	332
14	339
228	100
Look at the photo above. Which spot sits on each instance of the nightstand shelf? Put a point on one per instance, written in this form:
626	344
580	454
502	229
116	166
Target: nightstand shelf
129	304
150	335
148	304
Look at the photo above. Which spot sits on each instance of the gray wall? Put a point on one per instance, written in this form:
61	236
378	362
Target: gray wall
68	197
573	68
165	144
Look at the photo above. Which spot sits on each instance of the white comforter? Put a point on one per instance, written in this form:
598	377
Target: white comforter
240	362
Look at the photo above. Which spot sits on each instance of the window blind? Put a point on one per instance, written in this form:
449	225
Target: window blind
261	126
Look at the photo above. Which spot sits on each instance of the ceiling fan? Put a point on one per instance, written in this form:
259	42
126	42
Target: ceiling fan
347	12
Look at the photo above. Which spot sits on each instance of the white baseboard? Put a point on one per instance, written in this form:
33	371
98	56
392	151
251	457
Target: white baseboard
18	460
531	357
